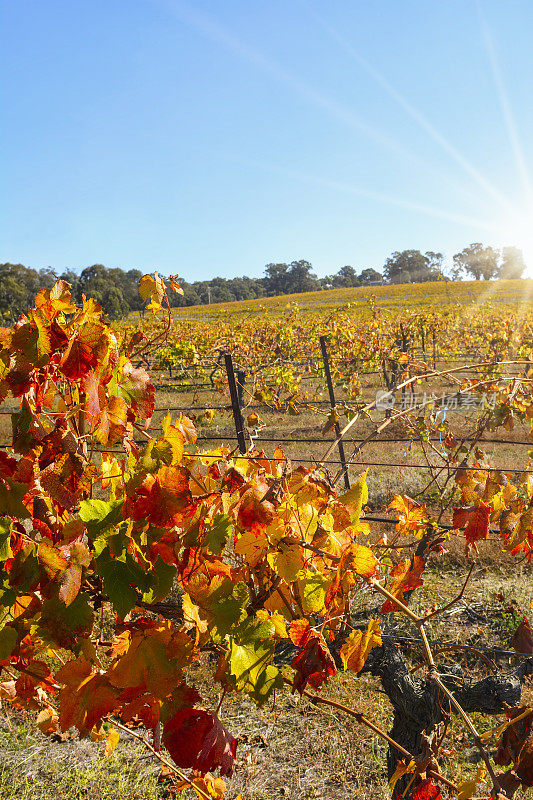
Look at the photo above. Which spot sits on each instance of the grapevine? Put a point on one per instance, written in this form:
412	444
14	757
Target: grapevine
241	559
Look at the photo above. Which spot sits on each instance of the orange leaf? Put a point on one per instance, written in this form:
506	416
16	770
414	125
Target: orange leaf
406	578
358	645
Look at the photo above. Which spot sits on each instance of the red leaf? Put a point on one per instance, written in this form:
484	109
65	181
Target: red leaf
314	663
161	500
425	791
19	382
476	519
79	359
196	739
253	511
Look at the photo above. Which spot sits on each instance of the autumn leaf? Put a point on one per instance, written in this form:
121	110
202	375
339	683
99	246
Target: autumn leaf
522	638
214	788
476	518
137	389
401	769
355	498
314	663
84	351
147	660
161	499
407	576
358	645
197	740
47	721
111	742
412	516
516	746
86	695
287	560
252	546
79	558
174	285
253	512
425	791
152	289
467	788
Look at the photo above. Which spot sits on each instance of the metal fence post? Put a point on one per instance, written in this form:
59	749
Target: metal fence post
332	401
235	404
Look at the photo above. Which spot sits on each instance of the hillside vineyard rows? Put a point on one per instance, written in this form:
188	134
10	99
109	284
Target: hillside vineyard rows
141	540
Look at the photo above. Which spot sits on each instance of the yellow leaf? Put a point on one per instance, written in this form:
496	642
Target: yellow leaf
466	789
151	288
252	547
288	560
111	742
47	721
191	617
358	645
214	787
401	770
364	562
355	498
279	622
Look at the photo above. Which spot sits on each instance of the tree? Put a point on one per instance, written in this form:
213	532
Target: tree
435	265
301	278
346	277
370	275
512	263
114	304
276	279
411	266
408	266
477	261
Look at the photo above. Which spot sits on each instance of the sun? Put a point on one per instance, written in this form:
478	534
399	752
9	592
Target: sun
519	233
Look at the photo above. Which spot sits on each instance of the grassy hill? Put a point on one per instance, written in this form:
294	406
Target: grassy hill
515	293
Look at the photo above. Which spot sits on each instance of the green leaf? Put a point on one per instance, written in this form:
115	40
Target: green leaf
228	606
156	454
8	641
7	596
117	576
100	517
218	534
5	540
11	499
21	423
251	651
161	578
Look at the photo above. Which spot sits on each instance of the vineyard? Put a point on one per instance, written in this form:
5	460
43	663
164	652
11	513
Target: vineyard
274	548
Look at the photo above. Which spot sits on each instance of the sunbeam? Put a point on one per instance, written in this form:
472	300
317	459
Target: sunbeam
413	112
508	116
379	197
209	27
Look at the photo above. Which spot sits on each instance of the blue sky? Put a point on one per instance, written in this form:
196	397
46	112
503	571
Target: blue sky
212	137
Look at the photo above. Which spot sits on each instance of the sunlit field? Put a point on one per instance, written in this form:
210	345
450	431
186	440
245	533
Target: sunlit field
515	293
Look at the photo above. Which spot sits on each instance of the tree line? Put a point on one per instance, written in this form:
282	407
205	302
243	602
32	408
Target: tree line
117	289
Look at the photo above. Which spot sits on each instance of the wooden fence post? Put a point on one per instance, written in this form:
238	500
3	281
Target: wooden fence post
332	401
235	404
